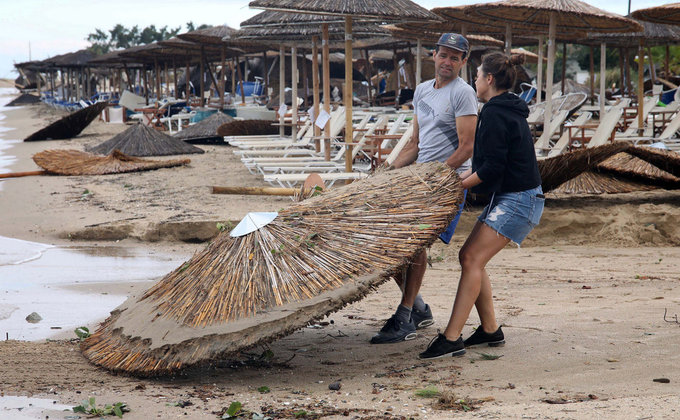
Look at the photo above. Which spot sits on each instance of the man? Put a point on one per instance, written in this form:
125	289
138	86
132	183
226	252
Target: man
443	130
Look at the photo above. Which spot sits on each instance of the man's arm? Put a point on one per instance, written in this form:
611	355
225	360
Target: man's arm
465	126
409	153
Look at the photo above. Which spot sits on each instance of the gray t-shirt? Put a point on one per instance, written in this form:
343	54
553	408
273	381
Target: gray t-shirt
437	110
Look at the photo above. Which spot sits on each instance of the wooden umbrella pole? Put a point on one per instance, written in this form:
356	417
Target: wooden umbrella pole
603	76
592	75
629	82
652	69
326	87
174	78
305	81
240	78
395	64
621	74
419	61
564	66
265	76
282	87
549	74
641	86
202	71
666	71
187	81
539	71
20	174
166	78
315	89
368	74
146	86
223	61
157	80
348	94
294	93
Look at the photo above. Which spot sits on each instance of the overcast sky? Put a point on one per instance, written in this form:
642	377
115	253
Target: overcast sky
59	26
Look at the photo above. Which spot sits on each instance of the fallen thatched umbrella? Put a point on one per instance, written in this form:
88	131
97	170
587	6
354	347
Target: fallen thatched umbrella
665	160
205	130
142	140
593	182
561	168
247	128
70	125
24	99
313	259
626	164
75	162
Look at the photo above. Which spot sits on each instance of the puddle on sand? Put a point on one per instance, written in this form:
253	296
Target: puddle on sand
25	408
69	287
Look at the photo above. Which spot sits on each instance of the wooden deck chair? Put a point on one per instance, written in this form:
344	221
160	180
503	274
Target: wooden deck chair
669	136
563	142
647	106
602	132
304	132
543	145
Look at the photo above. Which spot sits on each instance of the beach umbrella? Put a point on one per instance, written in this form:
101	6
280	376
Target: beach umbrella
76	162
206	129
625	163
546	17
314	258
70	125
142	140
247	128
558	169
668	14
367	10
595	182
666	160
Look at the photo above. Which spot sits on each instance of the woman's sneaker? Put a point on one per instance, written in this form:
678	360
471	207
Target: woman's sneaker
394	331
422	319
440	346
495	339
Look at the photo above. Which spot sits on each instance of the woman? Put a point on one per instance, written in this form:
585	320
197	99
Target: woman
503	166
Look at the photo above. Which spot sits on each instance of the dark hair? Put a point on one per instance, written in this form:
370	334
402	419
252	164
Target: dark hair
502	68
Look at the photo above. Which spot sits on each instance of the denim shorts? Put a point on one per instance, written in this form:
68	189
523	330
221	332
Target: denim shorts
514	214
448	233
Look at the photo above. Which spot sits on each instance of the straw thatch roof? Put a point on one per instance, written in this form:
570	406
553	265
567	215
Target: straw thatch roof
558	169
668	14
70	125
572	16
277	18
247	128
653	34
24	99
314	258
78	58
431	37
204	129
666	160
379	10
214	35
142	140
636	168
75	162
593	182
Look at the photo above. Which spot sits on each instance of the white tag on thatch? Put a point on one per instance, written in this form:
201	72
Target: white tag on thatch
282	110
322	119
252	222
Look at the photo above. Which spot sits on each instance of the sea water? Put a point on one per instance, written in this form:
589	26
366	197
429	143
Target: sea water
68	287
6	159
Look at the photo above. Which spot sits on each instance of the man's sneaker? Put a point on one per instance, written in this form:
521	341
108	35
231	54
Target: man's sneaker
495	339
394	331
440	346
422	319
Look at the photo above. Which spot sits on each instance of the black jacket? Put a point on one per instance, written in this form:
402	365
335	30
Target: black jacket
504	156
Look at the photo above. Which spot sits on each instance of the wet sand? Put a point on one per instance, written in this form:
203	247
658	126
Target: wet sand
582	304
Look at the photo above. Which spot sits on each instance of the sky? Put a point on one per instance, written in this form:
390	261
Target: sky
52	27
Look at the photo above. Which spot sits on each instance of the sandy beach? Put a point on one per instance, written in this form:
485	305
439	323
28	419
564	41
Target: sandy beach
582	304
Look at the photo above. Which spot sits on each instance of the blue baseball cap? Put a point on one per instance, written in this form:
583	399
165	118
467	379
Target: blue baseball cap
454	41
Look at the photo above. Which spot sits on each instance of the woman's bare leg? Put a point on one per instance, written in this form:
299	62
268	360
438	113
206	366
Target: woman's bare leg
482	244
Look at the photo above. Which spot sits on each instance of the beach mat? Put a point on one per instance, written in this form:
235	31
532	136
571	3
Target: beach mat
70	125
75	162
561	168
314	258
142	140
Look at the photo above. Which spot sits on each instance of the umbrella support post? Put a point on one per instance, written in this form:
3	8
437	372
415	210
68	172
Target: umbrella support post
348	94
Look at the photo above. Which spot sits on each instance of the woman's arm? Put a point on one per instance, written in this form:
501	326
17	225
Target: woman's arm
471	181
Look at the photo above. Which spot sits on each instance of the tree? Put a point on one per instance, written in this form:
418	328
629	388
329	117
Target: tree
120	37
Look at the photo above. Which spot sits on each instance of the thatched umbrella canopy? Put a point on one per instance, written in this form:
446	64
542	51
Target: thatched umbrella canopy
70	125
625	163
314	258
668	14
76	162
549	17
665	160
78	58
24	99
214	35
205	130
142	140
371	10
594	182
